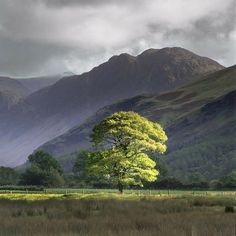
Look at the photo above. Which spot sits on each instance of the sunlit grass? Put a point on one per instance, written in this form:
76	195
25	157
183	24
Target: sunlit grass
113	194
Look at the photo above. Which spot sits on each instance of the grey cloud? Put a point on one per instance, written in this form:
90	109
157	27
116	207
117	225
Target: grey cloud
71	3
63	3
25	57
51	36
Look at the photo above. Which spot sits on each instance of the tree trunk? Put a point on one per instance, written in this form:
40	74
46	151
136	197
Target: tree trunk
120	188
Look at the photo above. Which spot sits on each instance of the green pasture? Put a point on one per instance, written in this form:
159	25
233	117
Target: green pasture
68	193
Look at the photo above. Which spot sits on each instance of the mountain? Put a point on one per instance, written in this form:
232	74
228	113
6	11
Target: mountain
53	110
199	119
36	83
11	91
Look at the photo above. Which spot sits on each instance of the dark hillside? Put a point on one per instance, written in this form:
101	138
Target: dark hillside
199	119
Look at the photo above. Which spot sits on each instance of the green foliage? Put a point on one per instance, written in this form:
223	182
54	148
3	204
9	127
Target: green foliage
33	176
45	161
80	164
124	140
162	168
229	181
44	170
8	176
196	177
81	176
169	183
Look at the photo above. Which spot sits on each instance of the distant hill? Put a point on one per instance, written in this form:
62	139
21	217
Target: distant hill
53	110
11	91
199	118
37	83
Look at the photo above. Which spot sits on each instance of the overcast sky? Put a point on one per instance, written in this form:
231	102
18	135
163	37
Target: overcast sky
40	37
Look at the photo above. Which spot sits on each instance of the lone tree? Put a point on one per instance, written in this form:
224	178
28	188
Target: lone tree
124	140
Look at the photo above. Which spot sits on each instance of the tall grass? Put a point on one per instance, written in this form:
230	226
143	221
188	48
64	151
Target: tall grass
193	216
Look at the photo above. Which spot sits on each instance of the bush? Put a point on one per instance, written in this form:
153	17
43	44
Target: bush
229	209
169	183
229	181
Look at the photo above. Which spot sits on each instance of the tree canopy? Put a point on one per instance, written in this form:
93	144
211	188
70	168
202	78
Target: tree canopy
8	176
124	141
44	161
44	170
229	181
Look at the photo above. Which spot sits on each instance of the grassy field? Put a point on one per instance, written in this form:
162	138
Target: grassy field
71	193
104	213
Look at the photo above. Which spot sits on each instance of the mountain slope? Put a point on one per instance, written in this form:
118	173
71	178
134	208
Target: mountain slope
51	111
11	91
36	83
199	118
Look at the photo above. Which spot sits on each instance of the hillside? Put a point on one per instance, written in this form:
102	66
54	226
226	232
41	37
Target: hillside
199	118
37	83
53	110
11	91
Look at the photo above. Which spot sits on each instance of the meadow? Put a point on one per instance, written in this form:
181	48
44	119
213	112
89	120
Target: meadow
93	212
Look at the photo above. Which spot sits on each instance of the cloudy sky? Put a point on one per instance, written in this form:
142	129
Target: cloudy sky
40	37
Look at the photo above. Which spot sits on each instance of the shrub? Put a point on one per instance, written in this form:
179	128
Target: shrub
229	209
